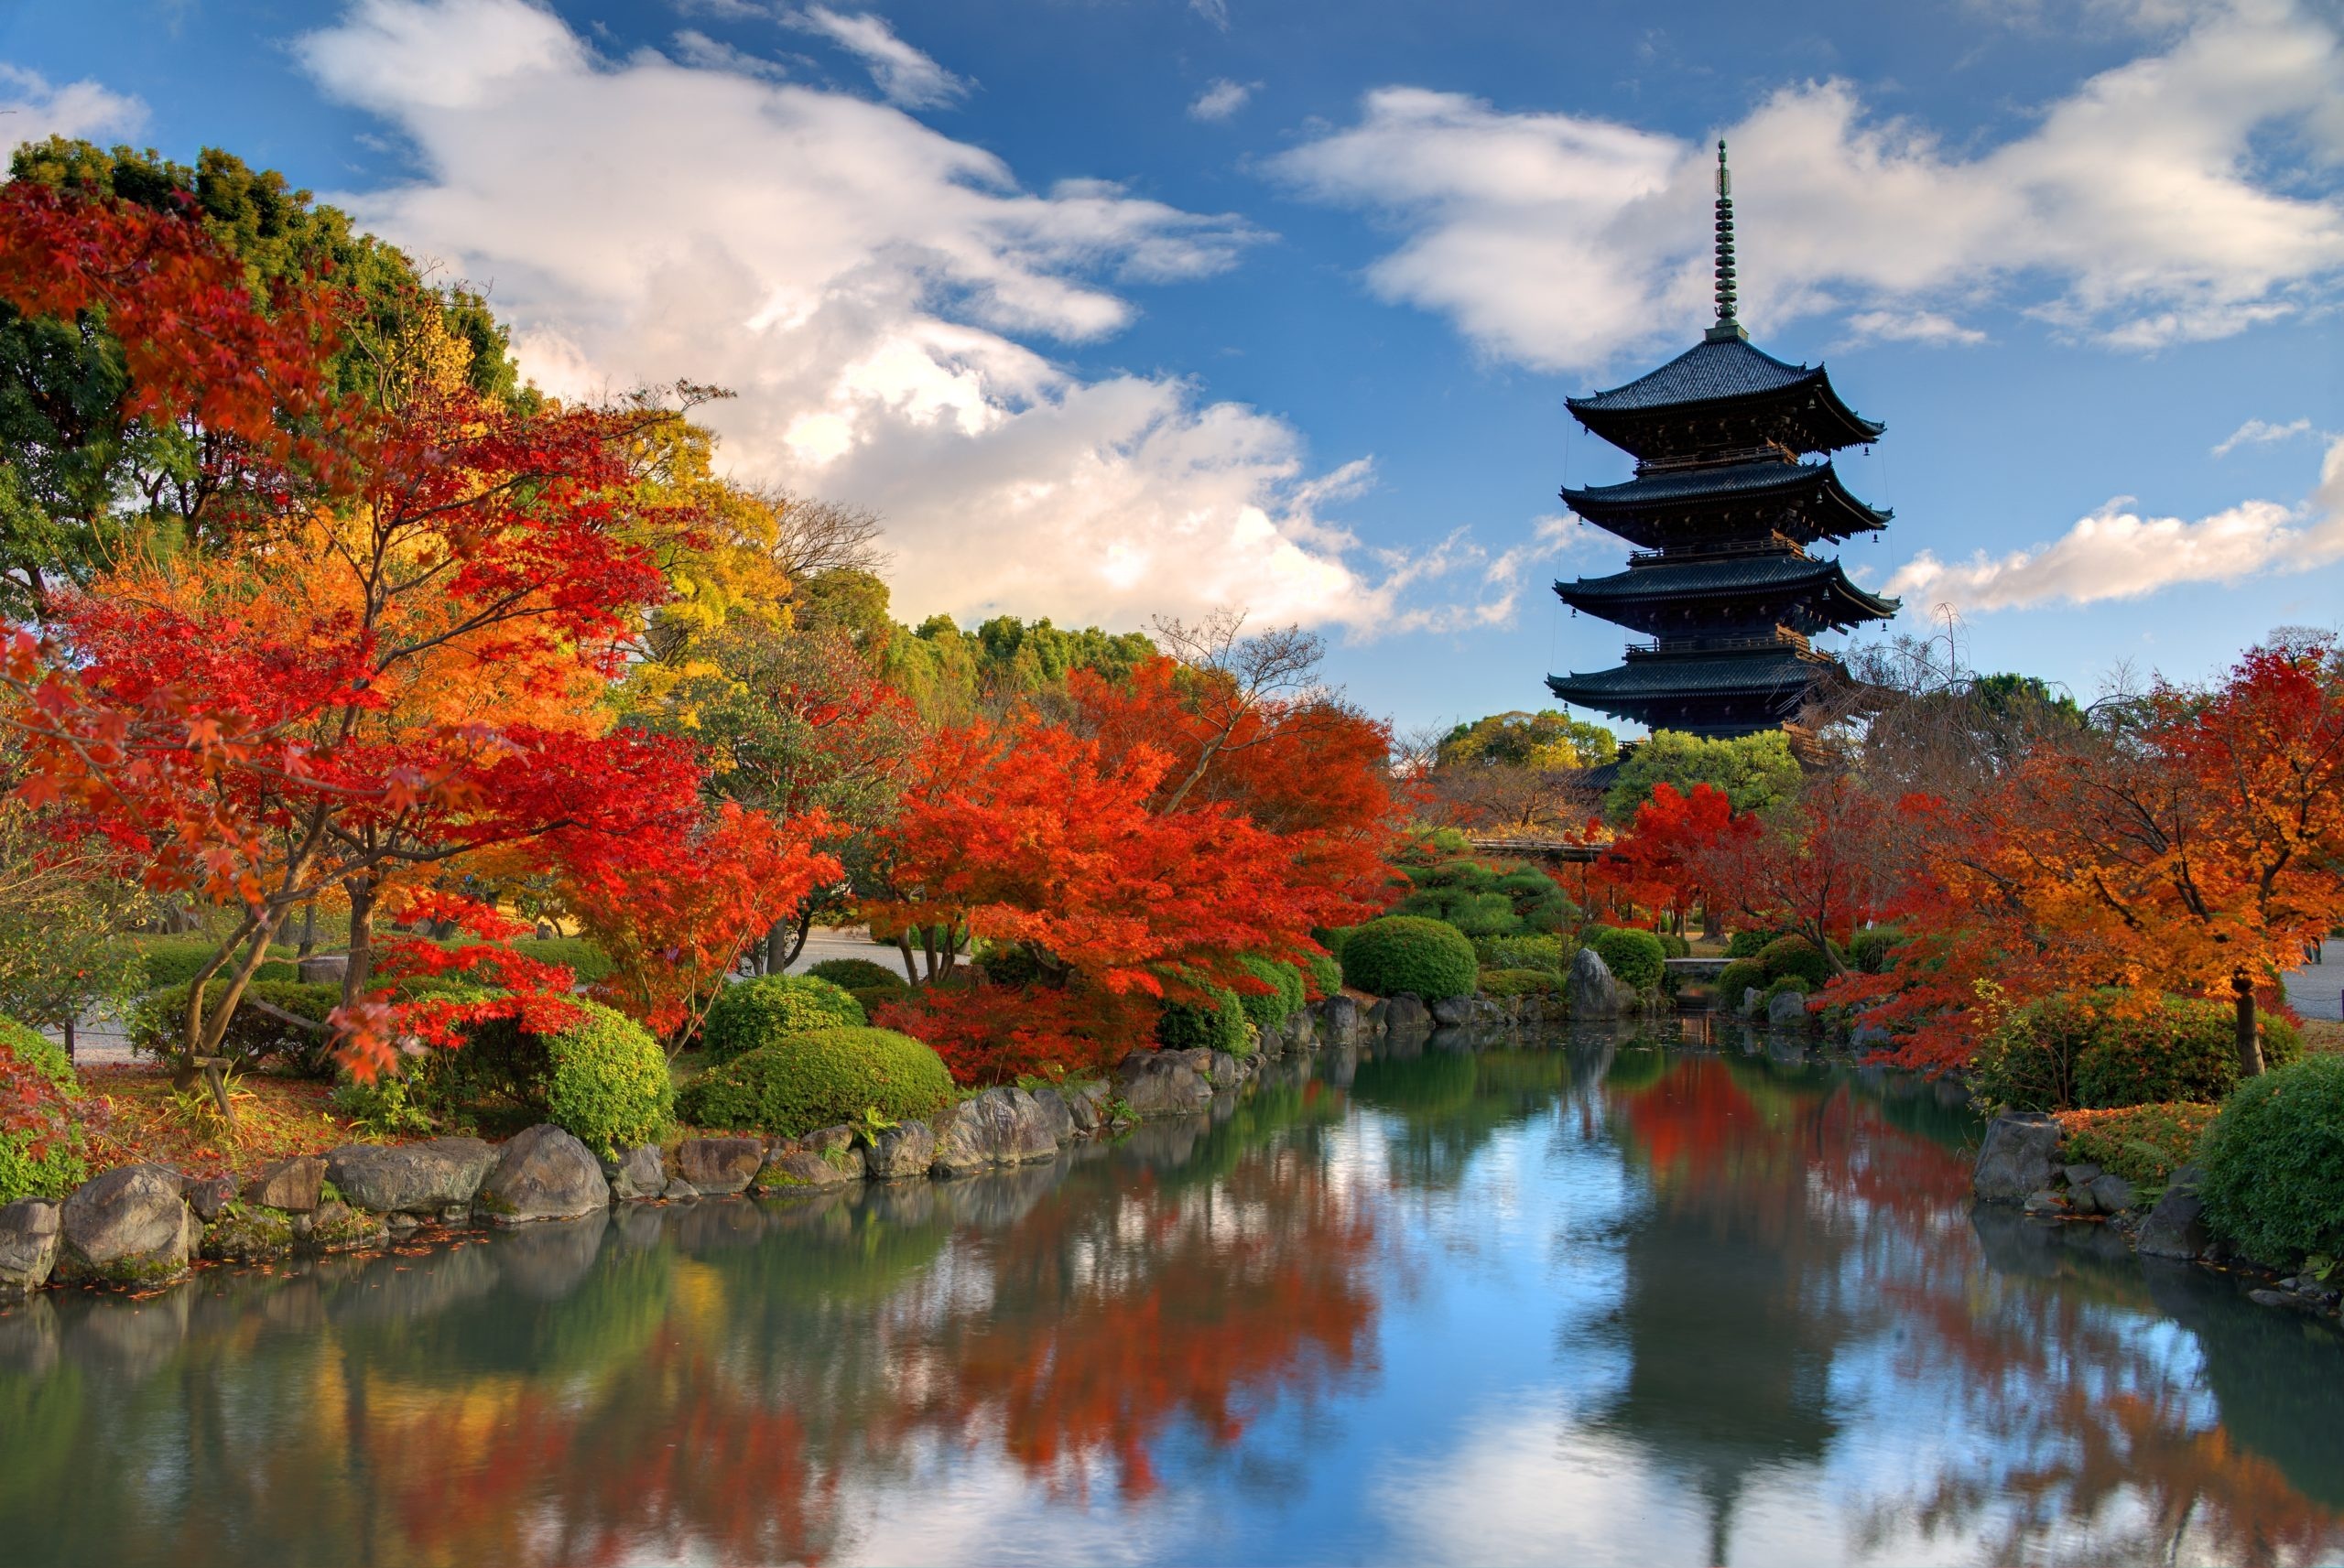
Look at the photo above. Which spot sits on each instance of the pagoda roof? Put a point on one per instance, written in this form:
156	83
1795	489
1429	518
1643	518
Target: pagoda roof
1769	574
1641	680
1711	376
1628	509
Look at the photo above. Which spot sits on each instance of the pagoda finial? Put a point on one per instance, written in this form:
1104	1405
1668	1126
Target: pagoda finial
1727	325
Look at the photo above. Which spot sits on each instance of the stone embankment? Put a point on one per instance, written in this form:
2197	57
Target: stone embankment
2018	1163
146	1225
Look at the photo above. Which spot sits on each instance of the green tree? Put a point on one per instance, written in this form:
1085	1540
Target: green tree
1757	773
1517	739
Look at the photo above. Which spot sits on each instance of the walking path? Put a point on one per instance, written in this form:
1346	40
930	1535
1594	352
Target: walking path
2317	990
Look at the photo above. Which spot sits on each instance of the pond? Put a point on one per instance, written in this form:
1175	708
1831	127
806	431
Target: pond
1575	1300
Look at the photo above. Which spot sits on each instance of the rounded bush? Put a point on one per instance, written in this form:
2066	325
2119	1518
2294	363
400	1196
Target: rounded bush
1739	977
174	960
608	1084
2274	1163
1520	953
1520	982
856	974
1748	944
1220	1025
1267	1011
761	1012
1785	985
1633	956
820	1078
1798	957
253	1035
1326	974
34	1071
874	998
2086	1052
1408	953
581	956
1675	946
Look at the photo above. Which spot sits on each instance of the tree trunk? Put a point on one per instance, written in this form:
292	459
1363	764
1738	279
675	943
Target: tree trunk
69	1037
2249	1048
911	965
361	940
803	928
1712	921
309	930
770	959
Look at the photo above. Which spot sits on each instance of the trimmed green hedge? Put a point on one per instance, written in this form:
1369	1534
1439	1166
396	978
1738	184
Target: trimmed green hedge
873	997
1748	944
604	1079
1326	974
761	1012
1797	956
1408	953
818	1080
1633	956
1739	977
856	974
1267	1011
253	1035
1221	1025
2274	1163
35	1068
584	959
1521	982
1521	953
174	961
2081	1052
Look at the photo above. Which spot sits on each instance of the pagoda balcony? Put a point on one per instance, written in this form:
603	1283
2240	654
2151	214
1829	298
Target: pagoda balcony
1774	544
1764	450
1670	647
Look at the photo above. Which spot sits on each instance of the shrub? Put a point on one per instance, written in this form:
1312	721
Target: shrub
1008	964
2274	1163
2142	1143
856	974
2070	1052
1407	953
1739	977
1218	1026
820	1078
1521	982
581	957
602	1078
1873	950
871	998
34	1074
253	1035
1786	985
174	961
1633	956
1674	946
1748	944
1795	956
760	1012
1326	974
1520	953
1267	1011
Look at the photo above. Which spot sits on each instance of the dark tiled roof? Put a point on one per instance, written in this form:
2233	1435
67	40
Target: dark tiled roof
1667	678
1723	575
1703	373
1681	486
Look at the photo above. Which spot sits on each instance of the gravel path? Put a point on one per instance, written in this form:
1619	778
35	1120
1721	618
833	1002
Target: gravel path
2317	990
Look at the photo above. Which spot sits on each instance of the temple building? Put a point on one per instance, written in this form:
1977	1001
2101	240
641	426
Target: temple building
1723	512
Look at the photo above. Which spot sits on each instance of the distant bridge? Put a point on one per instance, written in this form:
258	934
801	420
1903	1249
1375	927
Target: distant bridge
1538	848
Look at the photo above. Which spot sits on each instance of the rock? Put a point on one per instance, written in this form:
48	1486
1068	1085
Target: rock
901	1151
323	968
1227	1071
2079	1200
542	1173
1057	1113
2016	1157
210	1197
2284	1299
248	1235
792	1165
2044	1201
28	1233
1407	1013
1787	1010
1339	1019
719	1165
2111	1194
292	1185
1453	1011
2081	1175
679	1190
1753	1002
412	1178
1161	1083
1088	1104
1594	991
1870	1037
999	1126
128	1227
2176	1226
640	1174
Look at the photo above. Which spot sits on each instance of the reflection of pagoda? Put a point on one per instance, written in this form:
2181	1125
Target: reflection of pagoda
1722	512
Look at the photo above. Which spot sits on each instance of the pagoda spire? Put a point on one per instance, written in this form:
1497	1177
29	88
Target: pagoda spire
1727	327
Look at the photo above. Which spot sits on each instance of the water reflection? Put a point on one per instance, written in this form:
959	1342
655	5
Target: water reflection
1458	1299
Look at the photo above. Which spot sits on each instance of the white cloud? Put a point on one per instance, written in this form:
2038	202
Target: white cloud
1213	11
695	48
908	78
2115	553
2260	433
1222	100
2138	209
857	277
31	110
1915	327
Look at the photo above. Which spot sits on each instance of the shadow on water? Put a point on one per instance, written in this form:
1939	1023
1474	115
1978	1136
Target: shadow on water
1147	1331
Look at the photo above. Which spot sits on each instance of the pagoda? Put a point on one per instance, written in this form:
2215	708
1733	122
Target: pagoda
1722	512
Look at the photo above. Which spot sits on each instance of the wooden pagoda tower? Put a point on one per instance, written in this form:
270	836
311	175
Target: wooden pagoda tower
1722	512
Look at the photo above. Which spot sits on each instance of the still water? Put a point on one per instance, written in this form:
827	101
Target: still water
1564	1302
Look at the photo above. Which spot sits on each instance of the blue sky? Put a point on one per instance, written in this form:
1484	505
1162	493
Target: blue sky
1126	307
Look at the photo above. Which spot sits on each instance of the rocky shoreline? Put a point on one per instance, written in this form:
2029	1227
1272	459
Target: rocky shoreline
142	1226
2019	1163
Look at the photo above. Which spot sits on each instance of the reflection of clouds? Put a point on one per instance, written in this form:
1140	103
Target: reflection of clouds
961	1499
